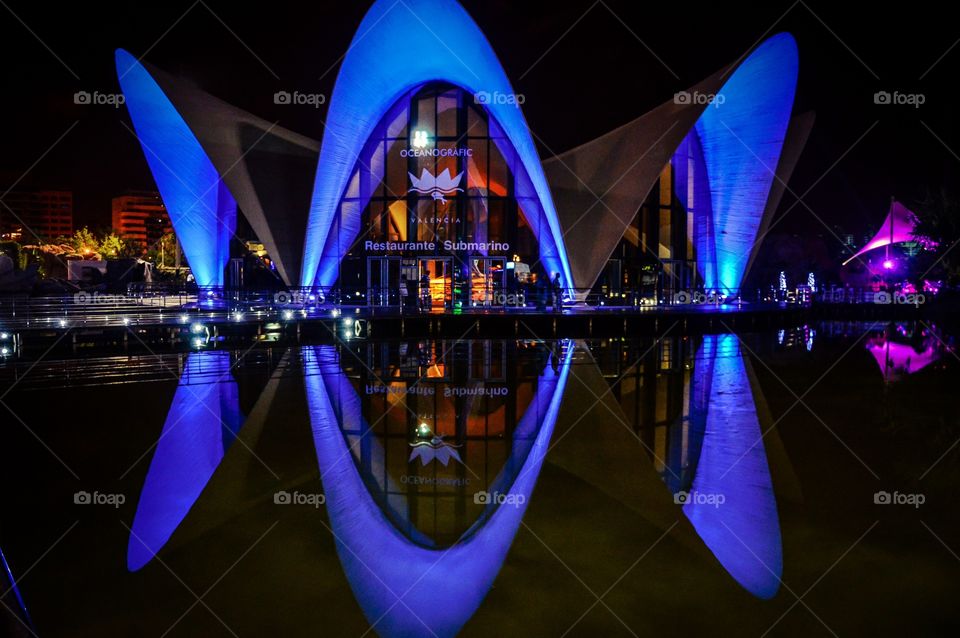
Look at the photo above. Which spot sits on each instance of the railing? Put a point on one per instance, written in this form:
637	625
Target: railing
161	303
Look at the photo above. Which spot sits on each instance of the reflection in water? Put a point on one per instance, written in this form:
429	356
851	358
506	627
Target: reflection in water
731	502
202	422
404	582
903	349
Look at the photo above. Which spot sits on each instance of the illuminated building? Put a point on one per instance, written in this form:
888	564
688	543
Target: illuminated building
34	216
427	177
140	218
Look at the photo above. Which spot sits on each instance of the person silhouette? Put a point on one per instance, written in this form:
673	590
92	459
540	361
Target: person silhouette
557	293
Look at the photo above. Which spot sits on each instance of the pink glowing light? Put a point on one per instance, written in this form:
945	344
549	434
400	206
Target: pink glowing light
888	264
896	228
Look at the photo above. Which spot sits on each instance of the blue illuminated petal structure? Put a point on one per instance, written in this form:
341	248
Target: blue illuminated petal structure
201	423
742	531
440	588
399	46
741	135
202	210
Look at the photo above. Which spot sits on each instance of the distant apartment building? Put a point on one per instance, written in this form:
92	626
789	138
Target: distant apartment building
34	216
141	217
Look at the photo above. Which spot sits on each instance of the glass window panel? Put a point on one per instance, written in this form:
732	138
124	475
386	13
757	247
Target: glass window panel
447	114
498	171
373	229
497	221
398	127
476	121
446	221
666	186
425	219
448	163
397	221
426	114
397	181
477	166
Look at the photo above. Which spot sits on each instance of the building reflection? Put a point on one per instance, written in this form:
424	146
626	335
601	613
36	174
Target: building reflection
394	517
456	409
905	348
202	422
692	403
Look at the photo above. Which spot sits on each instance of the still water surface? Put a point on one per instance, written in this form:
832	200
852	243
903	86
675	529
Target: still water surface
721	484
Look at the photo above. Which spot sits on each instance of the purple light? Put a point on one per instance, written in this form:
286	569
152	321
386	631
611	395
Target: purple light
888	264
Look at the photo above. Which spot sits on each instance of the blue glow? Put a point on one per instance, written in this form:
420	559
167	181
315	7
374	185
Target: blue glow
398	46
15	587
744	531
202	210
440	588
741	138
202	422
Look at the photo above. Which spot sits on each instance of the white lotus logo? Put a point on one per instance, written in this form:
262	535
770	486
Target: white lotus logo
435	448
437	186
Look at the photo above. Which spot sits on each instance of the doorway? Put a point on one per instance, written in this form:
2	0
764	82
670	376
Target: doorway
383	281
438	294
487	276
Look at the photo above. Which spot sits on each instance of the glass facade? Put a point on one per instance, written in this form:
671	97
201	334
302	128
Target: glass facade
471	395
660	249
444	208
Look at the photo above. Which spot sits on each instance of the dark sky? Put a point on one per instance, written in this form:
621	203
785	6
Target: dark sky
581	66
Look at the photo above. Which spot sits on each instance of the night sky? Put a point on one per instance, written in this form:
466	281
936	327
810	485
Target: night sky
580	65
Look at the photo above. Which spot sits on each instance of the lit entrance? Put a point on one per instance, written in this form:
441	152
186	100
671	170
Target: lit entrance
439	272
487	281
383	281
